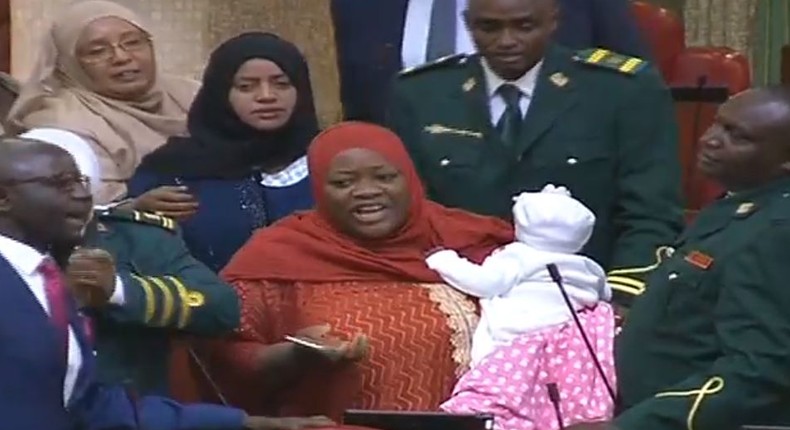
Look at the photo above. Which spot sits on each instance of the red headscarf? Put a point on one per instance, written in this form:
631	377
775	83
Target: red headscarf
306	248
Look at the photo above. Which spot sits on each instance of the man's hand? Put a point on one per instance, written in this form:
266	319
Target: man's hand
90	276
287	423
620	317
170	201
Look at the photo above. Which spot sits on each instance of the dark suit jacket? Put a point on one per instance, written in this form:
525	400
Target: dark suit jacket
369	36
32	371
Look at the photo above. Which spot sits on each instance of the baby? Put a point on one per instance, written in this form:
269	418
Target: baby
526	337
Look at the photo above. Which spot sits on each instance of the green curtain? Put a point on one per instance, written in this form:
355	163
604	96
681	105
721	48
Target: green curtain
771	33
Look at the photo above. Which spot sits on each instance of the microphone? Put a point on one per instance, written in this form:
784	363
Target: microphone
207	375
554	397
554	272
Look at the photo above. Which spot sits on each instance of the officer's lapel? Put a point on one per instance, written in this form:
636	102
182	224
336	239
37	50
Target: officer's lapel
555	93
473	92
715	218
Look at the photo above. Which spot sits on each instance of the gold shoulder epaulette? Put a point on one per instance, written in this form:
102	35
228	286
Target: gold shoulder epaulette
444	61
610	60
139	217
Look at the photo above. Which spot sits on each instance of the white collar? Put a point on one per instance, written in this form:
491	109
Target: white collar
294	173
24	258
526	83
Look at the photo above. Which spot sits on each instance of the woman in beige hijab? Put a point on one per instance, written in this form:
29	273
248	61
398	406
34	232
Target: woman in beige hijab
96	76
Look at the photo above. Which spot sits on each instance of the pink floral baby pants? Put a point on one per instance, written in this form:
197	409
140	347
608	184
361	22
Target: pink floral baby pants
510	383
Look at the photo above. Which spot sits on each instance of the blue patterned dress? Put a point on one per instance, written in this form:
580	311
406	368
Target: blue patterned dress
232	209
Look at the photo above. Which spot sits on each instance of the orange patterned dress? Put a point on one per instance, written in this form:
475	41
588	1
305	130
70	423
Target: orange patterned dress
419	337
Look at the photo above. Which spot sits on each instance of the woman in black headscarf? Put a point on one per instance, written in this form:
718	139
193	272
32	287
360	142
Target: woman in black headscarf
243	166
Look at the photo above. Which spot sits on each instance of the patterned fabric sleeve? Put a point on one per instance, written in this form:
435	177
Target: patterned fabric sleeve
240	353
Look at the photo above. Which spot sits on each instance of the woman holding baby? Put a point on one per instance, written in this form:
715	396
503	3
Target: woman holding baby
357	263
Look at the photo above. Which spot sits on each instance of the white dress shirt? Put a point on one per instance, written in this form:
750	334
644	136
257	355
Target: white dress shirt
26	260
526	83
417	27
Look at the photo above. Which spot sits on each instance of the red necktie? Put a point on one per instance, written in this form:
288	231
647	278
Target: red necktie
57	297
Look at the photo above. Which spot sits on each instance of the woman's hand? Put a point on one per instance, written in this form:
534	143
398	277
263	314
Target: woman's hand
333	348
170	201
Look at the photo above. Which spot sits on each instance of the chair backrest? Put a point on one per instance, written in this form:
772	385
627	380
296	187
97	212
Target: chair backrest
683	66
663	31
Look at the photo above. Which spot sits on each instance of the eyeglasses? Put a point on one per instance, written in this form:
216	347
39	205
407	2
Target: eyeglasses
105	52
64	183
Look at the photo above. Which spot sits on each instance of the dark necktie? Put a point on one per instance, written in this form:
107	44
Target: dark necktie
57	297
509	125
441	35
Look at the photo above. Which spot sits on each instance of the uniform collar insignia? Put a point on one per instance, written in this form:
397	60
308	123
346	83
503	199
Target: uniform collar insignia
699	259
469	84
559	79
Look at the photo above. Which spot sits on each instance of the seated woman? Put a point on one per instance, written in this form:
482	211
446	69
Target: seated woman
96	76
244	163
356	263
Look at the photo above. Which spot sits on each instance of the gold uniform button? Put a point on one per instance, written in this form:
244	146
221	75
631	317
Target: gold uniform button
444	162
572	160
195	299
672	276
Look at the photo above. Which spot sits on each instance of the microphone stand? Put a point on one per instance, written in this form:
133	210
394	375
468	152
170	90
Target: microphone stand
554	272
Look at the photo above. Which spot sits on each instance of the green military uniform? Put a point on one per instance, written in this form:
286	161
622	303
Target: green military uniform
166	292
599	123
707	347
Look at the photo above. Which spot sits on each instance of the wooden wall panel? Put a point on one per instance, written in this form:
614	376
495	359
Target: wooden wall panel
5	36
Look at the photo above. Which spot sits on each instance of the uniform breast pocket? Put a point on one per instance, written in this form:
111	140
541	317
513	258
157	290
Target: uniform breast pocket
586	166
447	158
686	294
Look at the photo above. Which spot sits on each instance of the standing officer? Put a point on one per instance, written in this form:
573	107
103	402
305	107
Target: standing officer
707	346
377	39
527	112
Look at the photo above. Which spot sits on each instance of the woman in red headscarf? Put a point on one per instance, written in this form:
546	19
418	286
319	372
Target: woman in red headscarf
355	264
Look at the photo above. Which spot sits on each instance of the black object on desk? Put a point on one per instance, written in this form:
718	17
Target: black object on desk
764	428
399	420
700	94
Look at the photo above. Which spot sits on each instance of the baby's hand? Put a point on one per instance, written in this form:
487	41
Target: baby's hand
439	259
552	189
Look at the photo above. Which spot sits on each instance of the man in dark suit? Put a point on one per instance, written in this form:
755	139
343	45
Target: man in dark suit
376	39
47	364
527	112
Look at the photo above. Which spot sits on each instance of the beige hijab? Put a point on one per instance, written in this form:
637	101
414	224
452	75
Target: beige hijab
59	94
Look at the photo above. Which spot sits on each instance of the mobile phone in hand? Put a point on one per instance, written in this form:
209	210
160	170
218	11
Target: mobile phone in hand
305	343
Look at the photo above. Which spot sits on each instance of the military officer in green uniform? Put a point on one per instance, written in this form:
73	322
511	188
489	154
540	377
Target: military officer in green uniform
526	112
165	292
707	347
